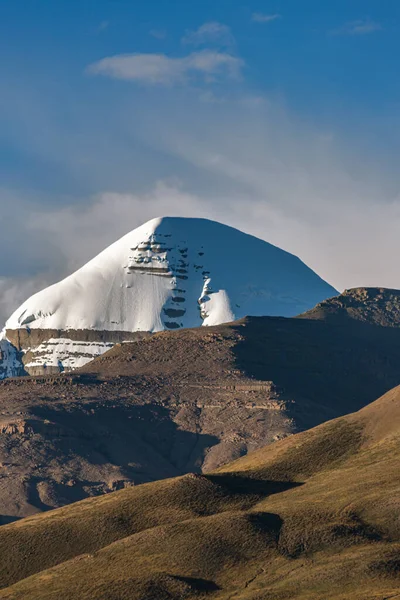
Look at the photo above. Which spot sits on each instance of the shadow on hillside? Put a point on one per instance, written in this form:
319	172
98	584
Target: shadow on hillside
237	484
197	584
84	378
142	440
337	367
6	519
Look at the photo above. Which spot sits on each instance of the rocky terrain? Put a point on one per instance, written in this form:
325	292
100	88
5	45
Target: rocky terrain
170	273
377	306
182	401
48	351
313	516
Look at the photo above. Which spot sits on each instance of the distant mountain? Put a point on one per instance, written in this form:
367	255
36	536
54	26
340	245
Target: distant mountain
170	273
312	516
377	306
182	401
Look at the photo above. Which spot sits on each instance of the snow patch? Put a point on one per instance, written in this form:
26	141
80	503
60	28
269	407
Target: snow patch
65	354
218	309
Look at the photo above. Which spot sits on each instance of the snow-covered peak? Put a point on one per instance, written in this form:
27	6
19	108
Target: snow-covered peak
175	272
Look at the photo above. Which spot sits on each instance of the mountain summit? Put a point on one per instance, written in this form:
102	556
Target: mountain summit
167	274
176	272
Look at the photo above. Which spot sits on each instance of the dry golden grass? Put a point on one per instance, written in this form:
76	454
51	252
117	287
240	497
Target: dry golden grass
315	516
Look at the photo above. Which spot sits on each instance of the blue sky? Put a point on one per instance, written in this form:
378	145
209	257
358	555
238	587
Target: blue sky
279	117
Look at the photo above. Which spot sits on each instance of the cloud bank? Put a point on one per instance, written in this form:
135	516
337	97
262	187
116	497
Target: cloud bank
159	69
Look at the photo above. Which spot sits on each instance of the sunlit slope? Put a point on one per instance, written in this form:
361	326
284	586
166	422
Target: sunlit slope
312	516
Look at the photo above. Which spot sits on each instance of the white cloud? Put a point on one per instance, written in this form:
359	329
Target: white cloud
263	18
159	34
212	33
15	290
359	27
160	69
107	216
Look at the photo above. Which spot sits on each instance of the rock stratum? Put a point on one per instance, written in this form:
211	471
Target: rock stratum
170	273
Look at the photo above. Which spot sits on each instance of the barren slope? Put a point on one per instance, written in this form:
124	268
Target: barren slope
377	306
314	516
189	400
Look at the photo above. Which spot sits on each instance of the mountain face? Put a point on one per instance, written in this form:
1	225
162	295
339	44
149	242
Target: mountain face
170	273
312	516
182	401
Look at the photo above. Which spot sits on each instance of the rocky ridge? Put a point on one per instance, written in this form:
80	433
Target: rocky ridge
377	306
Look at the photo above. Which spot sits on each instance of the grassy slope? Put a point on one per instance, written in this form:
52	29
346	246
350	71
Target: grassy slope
313	516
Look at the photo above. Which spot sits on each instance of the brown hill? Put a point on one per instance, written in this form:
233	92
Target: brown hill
183	401
314	516
377	306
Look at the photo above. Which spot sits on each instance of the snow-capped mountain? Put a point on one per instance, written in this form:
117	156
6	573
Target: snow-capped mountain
167	274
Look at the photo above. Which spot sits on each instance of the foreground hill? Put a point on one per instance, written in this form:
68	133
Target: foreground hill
169	273
314	516
182	401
